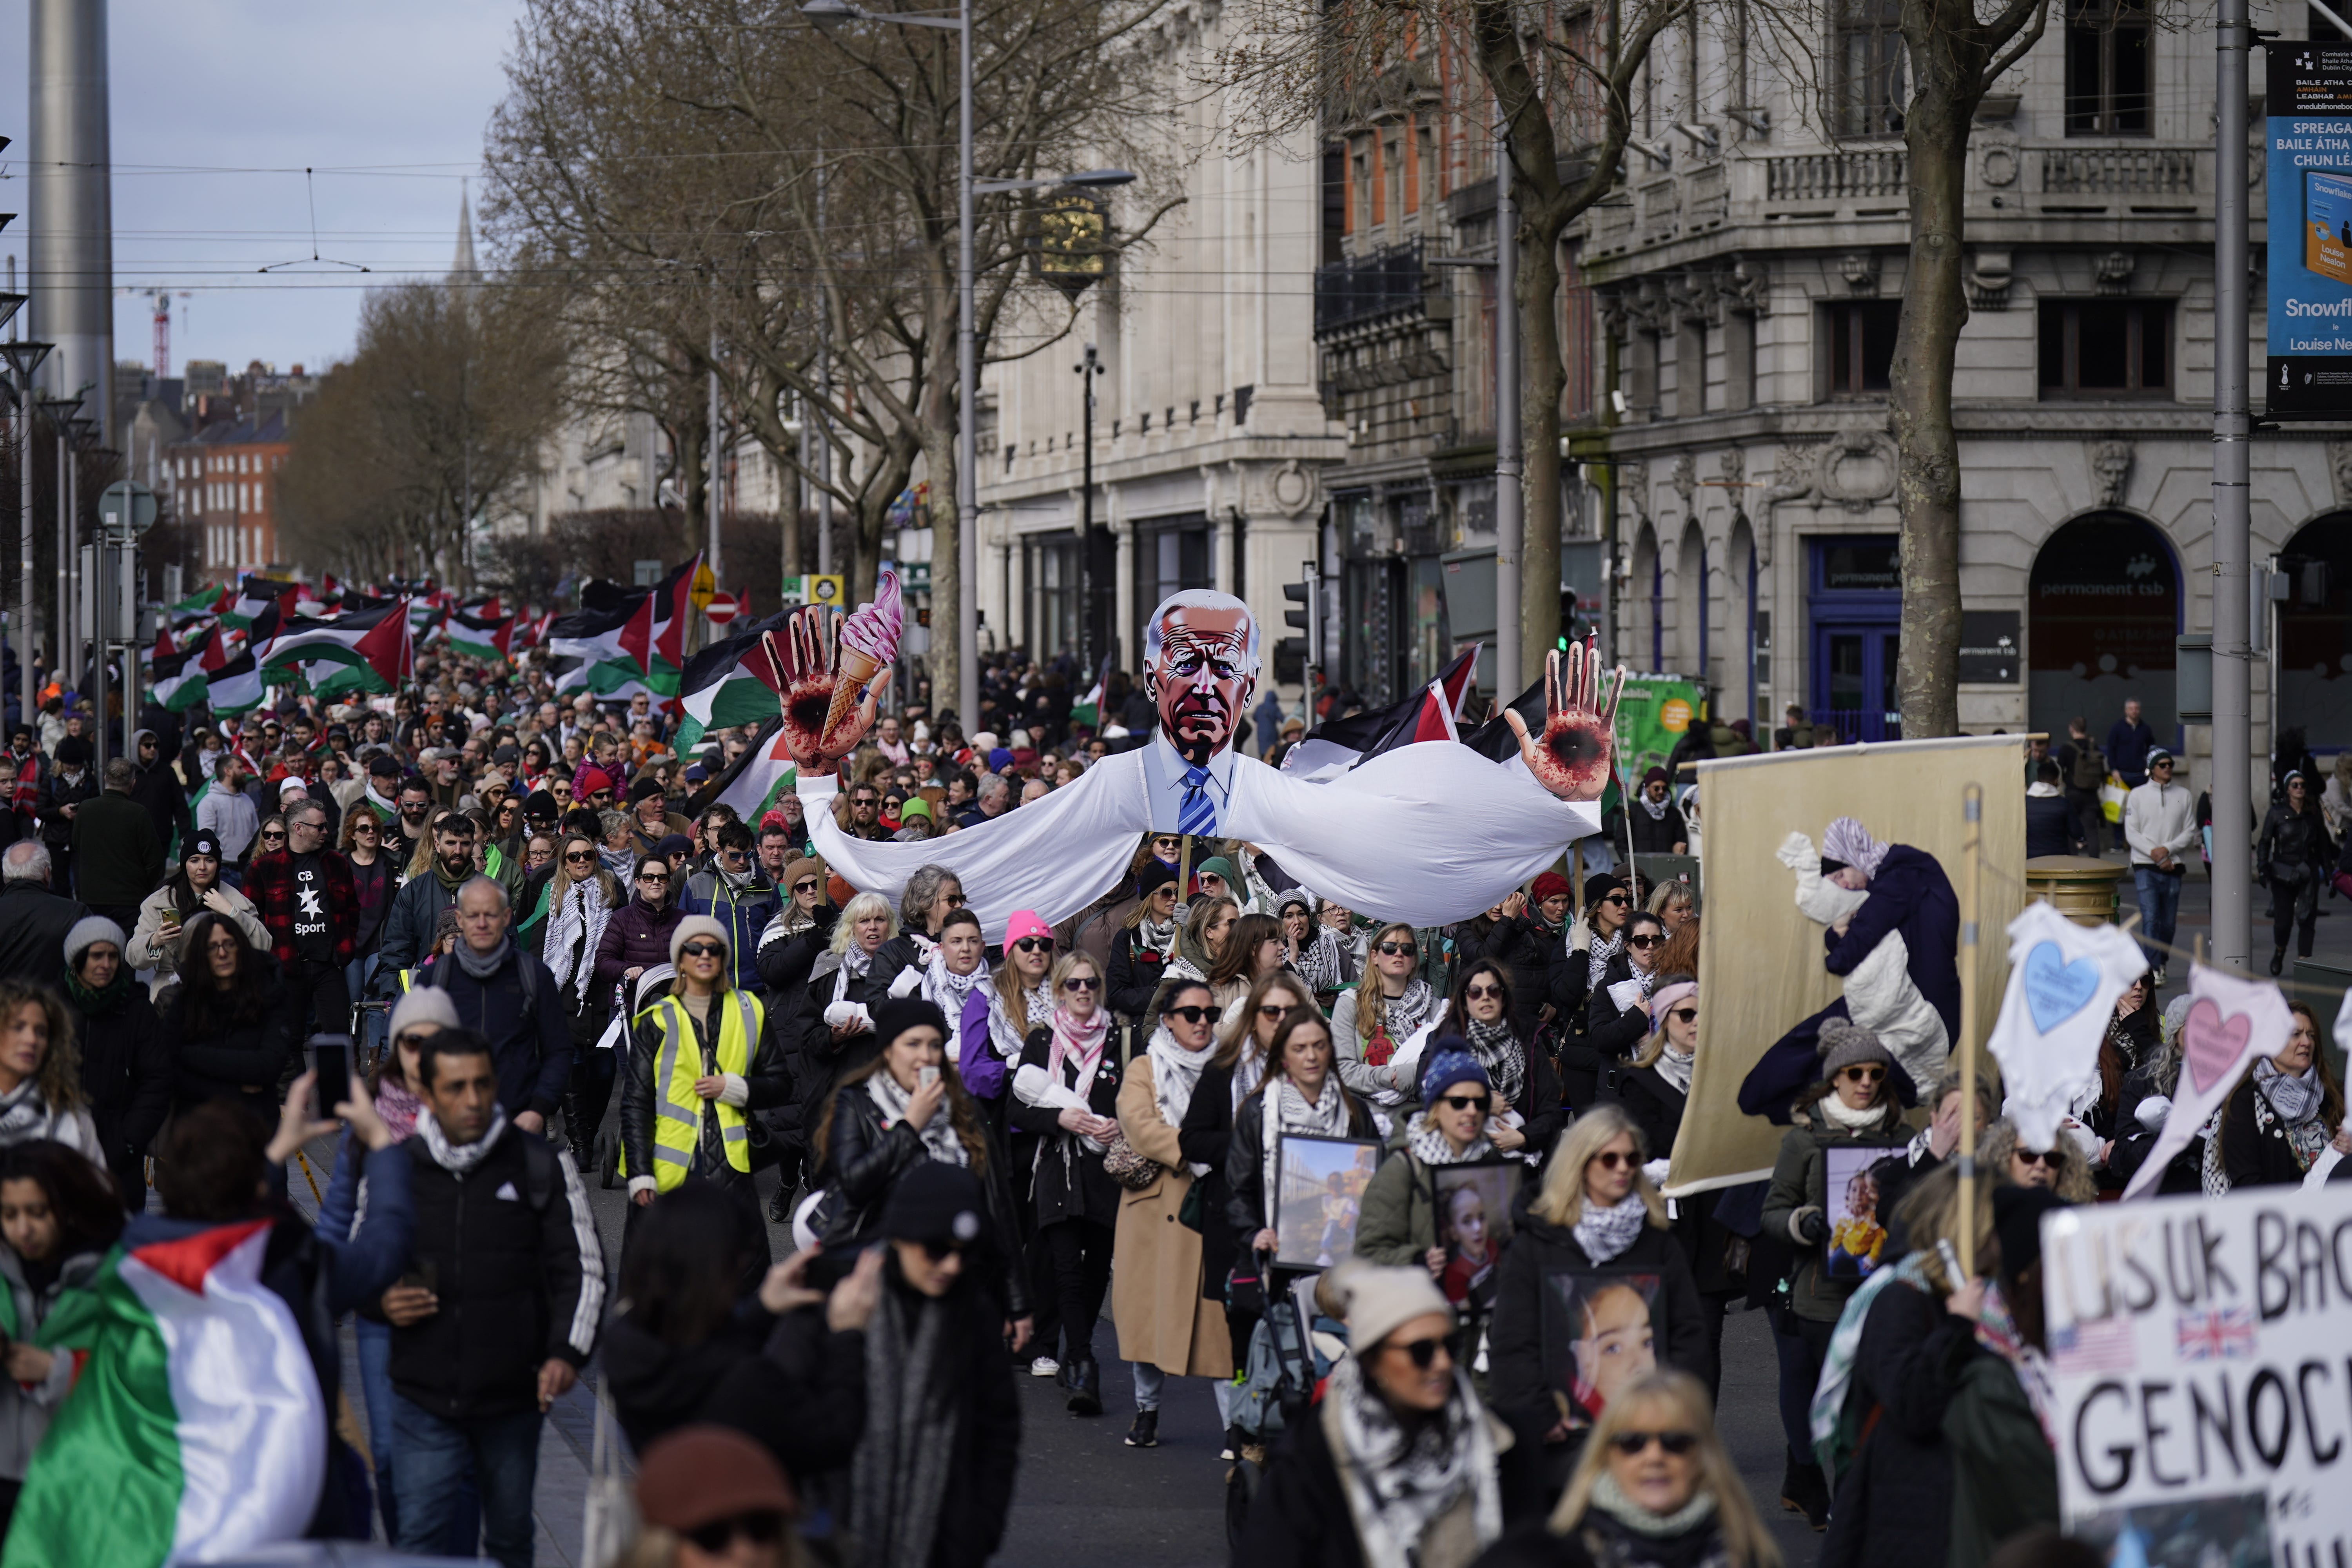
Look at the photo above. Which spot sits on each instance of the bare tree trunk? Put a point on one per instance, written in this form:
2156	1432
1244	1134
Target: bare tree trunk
1928	480
1543	374
947	583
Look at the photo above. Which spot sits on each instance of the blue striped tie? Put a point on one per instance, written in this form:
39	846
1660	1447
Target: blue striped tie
1200	817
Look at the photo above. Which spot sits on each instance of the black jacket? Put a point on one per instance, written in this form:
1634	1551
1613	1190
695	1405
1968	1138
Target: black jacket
117	859
1300	1518
1206	1135
1516	1382
1527	948
33	926
1136	967
126	1071
1070	1182
2294	846
158	789
2254	1149
1655	835
975	1380
242	1062
803	1396
766	1078
2135	1143
863	1160
512	1252
1894	1502
1598	1540
1612	1033
827	1059
1656	1107
2050	825
520	1012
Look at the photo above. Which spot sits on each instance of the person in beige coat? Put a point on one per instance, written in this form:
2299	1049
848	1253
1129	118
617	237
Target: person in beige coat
166	913
1167	1323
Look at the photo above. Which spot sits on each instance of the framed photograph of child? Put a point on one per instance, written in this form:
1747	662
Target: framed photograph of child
1318	1186
1602	1329
1474	1204
1856	1231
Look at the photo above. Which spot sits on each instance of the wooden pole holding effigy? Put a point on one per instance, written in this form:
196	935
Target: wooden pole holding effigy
1972	809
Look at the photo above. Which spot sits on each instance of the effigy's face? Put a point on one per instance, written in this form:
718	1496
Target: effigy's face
1202	680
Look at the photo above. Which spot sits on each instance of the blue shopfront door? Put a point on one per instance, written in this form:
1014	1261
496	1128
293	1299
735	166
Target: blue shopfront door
1855	606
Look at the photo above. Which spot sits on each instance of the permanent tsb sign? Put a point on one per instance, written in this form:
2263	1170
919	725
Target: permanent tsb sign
2309	175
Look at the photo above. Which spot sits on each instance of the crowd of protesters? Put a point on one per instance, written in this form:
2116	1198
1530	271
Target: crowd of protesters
567	967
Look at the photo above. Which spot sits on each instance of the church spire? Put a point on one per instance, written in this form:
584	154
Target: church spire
463	270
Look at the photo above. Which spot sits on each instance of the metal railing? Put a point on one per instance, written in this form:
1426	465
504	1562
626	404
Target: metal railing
1384	283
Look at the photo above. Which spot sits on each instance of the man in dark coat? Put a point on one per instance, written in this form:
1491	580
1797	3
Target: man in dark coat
2128	740
126	1069
510	999
2049	819
118	858
158	788
33	921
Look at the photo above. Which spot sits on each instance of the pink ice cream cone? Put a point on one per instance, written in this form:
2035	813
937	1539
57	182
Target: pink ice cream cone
868	639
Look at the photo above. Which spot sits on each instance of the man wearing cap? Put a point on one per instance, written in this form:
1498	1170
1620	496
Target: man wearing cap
721	1494
119	857
1655	821
653	819
2160	825
309	903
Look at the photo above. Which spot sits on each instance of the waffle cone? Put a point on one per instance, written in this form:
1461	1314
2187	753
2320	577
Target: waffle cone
848	683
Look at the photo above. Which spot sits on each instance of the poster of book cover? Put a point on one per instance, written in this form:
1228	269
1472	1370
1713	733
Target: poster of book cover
2308	175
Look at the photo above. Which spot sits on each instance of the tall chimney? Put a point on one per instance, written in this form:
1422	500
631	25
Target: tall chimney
72	241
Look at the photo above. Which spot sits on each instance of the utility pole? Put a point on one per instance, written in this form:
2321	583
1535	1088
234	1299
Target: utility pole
710	502
2232	783
824	399
72	271
967	409
1510	456
1090	367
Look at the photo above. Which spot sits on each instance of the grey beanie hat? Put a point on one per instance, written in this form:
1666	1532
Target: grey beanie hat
424	1004
1383	1299
1844	1042
87	929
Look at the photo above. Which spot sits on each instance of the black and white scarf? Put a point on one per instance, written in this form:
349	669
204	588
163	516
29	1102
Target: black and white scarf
1319	963
940	1140
1656	808
898	1477
1603	1233
573	936
945	989
1430	1147
1399	1478
458	1158
1499	1052
2295	1102
855	964
1597	957
1160	936
1006	1037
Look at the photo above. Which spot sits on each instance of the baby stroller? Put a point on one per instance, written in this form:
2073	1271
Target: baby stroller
1291	1349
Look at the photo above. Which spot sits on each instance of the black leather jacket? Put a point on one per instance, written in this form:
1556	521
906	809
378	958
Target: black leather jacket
767	1077
862	1160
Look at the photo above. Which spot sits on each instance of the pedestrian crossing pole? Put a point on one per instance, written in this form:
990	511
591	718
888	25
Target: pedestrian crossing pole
1971	849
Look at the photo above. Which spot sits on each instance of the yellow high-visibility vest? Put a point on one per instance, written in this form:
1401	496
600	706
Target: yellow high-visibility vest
678	1110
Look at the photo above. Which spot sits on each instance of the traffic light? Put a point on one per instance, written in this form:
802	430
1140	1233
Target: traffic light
1293	655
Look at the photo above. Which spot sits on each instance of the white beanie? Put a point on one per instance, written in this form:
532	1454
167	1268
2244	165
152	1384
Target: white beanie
1383	1299
424	1004
693	926
87	929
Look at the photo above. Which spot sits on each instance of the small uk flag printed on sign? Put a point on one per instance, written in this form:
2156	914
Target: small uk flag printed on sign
2226	1333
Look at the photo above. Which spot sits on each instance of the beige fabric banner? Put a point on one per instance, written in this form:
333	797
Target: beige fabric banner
1760	960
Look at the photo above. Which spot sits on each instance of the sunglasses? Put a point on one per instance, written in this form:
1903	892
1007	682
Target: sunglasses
1276	1011
1863	1073
1190	1015
655	876
1616	898
954	900
1395	949
702	950
1422	1352
940	1251
1645	941
1035	944
1632	1443
1616	1160
1082	982
272	837
1684	1014
1465	1101
1482	992
410	1038
807	887
2048	1157
761	1529
579	857
416	810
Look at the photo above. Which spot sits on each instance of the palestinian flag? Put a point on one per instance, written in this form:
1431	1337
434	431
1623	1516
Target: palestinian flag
483	635
178	679
256	595
195	1428
1087	710
1433	713
365	652
236	687
726	684
425	613
586	646
204	602
760	778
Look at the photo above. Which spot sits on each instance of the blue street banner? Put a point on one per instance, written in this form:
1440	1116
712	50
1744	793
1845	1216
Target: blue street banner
2309	197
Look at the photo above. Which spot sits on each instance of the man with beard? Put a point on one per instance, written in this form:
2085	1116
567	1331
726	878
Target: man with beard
1365	838
416	908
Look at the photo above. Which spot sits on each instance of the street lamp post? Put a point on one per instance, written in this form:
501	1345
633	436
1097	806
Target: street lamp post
832	13
23	354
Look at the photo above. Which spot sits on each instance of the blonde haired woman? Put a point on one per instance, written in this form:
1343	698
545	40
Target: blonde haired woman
1386	1006
2062	1168
1653	1485
844	984
1595	1210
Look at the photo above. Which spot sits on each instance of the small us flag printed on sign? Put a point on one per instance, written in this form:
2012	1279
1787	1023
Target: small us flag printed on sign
2225	1333
2105	1345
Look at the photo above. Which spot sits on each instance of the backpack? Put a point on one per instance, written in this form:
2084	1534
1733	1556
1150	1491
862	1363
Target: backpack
2089	770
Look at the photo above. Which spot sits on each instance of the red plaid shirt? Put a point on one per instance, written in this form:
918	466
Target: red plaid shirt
269	883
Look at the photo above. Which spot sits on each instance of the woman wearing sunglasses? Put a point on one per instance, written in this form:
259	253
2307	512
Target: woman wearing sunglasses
1146	943
998	1017
2061	1168
636	936
1386	1007
1653	1485
1398	1462
930	895
1169	1321
1527	1108
1066	1095
1596	1209
1618	1017
1854	1104
577	902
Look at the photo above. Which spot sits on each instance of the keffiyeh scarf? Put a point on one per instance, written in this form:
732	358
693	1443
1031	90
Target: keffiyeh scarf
2296	1102
1287	1111
1656	808
1175	1071
1499	1052
458	1158
1319	963
1848	840
938	1134
945	989
1160	936
1006	1037
1597	957
855	964
1603	1233
573	936
1430	1147
1400	1477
